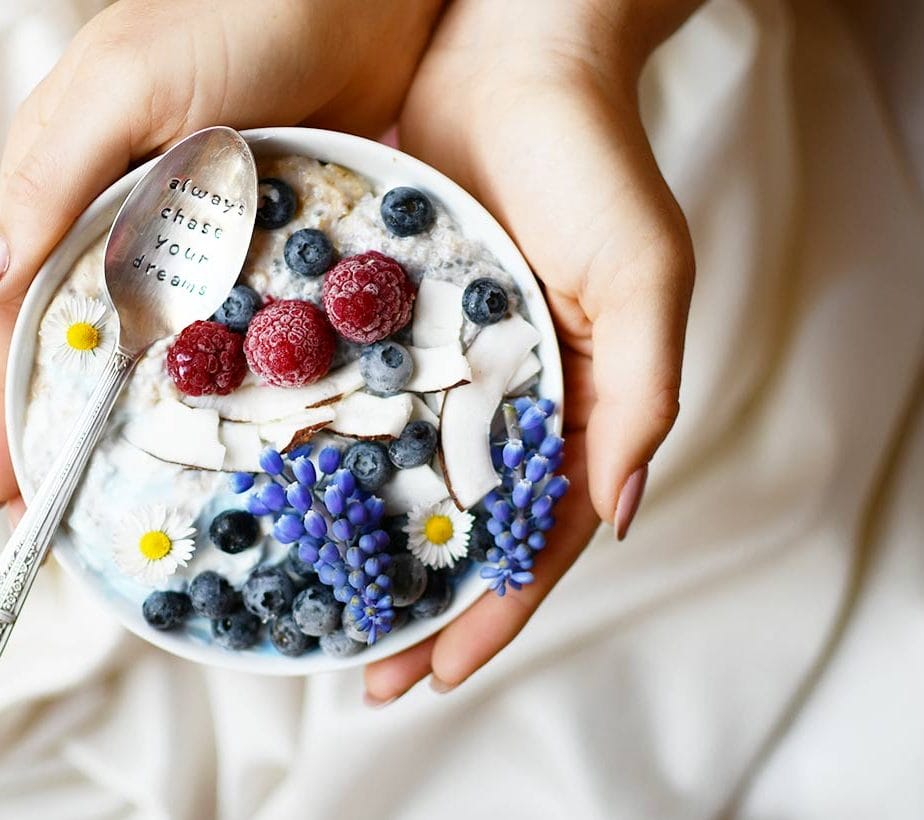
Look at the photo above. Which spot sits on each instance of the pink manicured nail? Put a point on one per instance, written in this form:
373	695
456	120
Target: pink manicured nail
629	499
376	703
4	256
441	686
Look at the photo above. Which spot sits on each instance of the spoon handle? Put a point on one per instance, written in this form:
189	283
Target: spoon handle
29	543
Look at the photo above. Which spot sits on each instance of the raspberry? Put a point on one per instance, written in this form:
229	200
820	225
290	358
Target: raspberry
368	297
206	358
289	343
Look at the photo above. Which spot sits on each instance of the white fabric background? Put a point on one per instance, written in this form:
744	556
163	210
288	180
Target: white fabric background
757	646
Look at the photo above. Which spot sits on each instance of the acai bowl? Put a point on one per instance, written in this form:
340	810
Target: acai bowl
323	506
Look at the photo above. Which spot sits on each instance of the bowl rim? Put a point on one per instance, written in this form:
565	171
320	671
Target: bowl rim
351	152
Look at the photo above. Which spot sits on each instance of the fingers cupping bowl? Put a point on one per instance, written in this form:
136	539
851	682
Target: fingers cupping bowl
361	441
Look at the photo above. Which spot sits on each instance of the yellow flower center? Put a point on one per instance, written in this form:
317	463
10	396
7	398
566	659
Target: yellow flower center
82	336
438	529
154	545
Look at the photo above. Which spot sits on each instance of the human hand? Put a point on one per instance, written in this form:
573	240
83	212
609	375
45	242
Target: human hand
140	76
543	127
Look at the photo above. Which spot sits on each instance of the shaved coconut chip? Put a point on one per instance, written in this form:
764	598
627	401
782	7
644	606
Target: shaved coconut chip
295	430
365	416
420	412
526	372
260	403
465	423
438	368
242	447
437	314
171	431
406	489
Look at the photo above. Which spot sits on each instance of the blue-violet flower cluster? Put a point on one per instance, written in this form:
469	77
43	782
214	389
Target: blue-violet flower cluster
336	525
521	508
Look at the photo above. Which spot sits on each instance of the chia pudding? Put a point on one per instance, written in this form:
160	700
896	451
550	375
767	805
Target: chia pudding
324	458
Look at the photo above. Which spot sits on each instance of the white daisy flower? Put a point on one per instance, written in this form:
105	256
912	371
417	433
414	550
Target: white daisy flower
438	534
152	543
79	332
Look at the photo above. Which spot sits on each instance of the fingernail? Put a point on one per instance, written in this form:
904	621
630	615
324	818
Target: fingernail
441	686
4	256
629	499
373	702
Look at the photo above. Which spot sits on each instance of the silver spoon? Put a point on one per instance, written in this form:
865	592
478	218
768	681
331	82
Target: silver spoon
174	252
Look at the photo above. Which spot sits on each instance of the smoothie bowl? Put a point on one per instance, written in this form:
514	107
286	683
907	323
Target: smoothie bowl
356	446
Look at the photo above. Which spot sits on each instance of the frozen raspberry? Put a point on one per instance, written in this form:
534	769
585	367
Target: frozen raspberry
207	358
368	297
289	343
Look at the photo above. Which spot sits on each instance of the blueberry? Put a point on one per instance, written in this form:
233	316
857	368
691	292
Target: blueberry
238	309
166	610
415	446
288	638
436	599
276	204
239	630
212	596
308	252
268	592
406	211
479	539
316	611
368	461
340	645
234	531
296	567
408	579
385	367
485	301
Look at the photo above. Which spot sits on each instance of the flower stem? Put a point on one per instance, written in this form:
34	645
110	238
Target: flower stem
514	434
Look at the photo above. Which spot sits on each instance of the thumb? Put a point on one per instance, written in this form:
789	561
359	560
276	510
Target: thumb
75	134
569	171
57	159
637	353
636	294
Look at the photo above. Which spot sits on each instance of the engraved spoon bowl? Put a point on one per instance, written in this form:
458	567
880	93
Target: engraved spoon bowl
159	277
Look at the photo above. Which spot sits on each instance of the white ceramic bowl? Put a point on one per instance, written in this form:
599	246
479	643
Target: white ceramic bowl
386	168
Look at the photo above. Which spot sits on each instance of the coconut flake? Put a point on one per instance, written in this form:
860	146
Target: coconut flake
171	431
421	412
522	379
364	416
261	403
411	488
295	430
438	368
465	422
437	314
242	446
